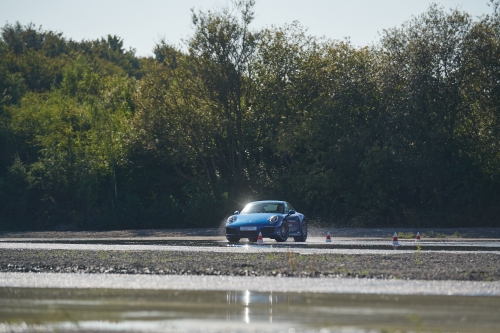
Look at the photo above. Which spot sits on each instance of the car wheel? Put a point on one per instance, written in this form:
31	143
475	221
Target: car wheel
252	240
233	239
283	234
303	233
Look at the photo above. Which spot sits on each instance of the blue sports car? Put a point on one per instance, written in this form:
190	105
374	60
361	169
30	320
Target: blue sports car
275	219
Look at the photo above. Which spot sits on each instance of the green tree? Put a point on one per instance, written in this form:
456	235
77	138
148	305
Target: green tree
221	49
429	75
70	146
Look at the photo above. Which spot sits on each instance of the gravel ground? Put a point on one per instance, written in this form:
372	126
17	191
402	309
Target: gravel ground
418	265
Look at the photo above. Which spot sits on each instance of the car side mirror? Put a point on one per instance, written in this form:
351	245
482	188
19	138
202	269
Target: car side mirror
236	213
291	212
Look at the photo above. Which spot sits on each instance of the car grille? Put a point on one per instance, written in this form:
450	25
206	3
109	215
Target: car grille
249	233
231	231
267	230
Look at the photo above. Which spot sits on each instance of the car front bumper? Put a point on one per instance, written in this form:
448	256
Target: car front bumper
267	232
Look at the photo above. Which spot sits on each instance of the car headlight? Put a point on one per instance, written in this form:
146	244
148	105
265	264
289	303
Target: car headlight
231	219
273	219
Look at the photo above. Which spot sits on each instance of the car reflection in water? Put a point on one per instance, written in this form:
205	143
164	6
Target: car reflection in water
246	306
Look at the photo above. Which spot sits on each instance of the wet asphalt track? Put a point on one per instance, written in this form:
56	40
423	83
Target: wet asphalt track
314	245
244	283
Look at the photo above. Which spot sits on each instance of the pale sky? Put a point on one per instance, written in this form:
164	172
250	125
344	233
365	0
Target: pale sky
142	23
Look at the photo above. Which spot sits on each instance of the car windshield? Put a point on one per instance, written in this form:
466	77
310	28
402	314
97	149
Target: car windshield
264	207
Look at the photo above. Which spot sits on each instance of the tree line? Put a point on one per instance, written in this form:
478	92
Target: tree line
405	132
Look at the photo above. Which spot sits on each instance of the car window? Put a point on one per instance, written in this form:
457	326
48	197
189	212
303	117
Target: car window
252	208
264	207
280	208
289	207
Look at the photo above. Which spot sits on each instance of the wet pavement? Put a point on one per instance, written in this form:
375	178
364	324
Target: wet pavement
242	283
312	246
118	310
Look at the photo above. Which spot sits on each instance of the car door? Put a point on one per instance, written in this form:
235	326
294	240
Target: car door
292	219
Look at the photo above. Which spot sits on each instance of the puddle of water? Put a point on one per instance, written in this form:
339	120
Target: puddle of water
207	311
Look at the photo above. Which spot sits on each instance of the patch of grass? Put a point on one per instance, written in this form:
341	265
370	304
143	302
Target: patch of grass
429	234
292	261
302	257
433	234
418	255
406	235
314	266
272	256
124	254
338	270
102	254
342	258
323	258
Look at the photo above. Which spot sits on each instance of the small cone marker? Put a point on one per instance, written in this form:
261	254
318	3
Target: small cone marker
328	238
260	241
417	239
395	242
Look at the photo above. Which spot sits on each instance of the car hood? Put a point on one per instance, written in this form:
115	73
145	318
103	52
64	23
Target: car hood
257	218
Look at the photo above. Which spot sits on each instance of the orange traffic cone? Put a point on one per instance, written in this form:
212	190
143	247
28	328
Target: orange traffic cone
417	239
328	238
395	242
260	241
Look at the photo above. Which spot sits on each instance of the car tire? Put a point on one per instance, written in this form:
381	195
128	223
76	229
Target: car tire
252	240
303	233
284	231
233	239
